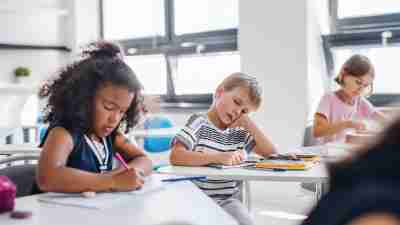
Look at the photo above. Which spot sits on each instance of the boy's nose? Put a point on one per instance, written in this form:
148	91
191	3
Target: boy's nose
237	113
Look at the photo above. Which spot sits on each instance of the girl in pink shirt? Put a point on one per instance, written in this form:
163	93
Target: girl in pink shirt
344	109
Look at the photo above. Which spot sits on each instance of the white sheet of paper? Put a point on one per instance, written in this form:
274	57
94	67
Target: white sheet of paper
101	200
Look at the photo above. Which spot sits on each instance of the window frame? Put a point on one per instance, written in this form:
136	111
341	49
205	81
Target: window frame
360	23
358	32
172	46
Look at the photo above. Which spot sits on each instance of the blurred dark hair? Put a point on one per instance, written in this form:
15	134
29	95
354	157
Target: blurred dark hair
357	66
71	94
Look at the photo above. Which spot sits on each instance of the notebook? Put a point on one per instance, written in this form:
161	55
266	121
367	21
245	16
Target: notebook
100	201
220	166
308	157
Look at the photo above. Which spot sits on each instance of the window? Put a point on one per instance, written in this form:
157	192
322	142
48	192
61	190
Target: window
385	61
201	74
363	15
362	8
176	42
201	16
150	69
372	29
133	19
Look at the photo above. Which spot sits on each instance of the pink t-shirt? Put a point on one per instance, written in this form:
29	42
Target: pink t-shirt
336	110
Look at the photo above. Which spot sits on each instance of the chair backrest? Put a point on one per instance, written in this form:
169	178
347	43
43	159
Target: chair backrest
308	139
22	175
157	144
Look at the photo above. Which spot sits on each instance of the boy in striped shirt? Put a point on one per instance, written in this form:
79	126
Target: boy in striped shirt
225	135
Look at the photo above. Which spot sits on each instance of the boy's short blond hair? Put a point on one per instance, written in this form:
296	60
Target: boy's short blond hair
244	81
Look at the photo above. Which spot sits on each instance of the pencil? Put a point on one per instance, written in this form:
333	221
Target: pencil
119	157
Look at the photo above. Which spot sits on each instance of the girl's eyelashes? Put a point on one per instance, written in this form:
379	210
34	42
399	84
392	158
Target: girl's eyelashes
236	102
108	107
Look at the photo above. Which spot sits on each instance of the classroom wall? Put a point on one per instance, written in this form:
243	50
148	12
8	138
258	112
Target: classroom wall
83	26
27	24
274	43
40	22
318	81
31	23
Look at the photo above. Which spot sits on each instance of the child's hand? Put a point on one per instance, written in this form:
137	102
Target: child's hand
356	125
127	180
230	158
242	121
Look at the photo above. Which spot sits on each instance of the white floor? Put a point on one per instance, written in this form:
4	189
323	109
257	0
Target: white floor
280	203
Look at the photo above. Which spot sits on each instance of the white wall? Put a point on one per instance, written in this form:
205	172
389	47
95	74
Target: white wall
317	23
83	26
31	23
274	42
44	22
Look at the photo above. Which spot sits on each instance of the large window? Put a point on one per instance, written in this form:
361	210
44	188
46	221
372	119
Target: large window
148	67
180	49
363	8
360	15
371	28
133	19
201	16
204	73
385	61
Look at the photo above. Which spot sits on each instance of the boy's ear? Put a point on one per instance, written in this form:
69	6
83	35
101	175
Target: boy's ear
219	92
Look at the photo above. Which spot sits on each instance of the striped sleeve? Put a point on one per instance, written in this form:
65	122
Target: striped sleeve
188	135
249	143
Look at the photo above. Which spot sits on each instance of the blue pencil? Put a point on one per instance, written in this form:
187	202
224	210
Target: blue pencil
184	178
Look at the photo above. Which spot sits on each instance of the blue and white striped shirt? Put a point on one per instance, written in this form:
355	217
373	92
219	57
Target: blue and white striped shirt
201	135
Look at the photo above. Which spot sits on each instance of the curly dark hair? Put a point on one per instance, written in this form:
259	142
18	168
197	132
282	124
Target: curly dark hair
71	94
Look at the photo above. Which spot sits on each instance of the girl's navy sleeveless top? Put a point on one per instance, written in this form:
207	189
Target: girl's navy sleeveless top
83	157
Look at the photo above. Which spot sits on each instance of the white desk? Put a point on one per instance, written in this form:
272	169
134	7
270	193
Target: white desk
317	174
180	203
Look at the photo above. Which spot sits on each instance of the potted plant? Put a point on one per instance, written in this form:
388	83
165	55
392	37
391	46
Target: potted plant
21	73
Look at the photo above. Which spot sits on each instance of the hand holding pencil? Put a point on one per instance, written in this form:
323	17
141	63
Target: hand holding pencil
127	180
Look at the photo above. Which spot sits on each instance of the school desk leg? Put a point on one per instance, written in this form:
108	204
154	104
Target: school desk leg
246	195
318	191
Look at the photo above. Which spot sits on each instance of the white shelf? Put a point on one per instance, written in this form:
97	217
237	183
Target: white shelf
11	89
33	11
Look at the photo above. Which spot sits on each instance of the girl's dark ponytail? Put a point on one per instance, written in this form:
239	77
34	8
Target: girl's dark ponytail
103	49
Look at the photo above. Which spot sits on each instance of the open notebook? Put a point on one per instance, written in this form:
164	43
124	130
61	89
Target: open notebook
101	200
221	166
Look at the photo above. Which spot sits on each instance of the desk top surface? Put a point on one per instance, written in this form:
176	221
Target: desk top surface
180	203
317	173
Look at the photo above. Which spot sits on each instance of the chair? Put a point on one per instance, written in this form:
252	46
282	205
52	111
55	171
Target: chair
308	140
23	175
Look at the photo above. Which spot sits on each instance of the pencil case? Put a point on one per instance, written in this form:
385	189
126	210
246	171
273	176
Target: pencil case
7	194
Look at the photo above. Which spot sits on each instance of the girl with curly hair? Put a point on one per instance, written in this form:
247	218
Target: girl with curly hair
90	104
